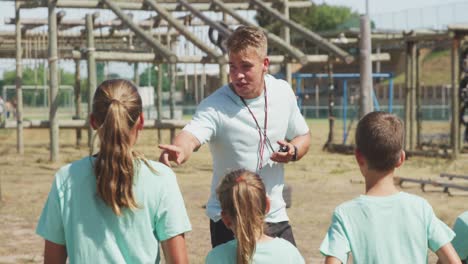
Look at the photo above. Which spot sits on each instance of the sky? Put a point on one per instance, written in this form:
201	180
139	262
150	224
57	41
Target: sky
384	6
387	14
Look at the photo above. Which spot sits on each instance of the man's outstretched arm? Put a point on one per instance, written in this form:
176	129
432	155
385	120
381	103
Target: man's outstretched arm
180	150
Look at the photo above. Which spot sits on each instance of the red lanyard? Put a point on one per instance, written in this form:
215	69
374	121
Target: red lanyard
263	136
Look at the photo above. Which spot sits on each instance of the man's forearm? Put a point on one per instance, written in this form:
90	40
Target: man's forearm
188	144
302	144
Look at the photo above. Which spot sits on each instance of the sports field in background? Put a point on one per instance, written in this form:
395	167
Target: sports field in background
320	181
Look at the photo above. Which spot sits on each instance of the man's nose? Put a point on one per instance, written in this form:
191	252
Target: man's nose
239	74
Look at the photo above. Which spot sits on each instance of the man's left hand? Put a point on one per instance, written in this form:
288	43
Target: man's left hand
286	156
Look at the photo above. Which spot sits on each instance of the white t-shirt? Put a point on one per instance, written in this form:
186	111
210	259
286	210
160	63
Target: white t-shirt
226	124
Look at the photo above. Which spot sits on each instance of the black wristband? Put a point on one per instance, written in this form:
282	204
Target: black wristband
294	158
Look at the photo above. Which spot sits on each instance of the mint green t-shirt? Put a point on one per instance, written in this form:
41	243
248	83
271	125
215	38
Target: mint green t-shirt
275	251
393	229
460	242
75	216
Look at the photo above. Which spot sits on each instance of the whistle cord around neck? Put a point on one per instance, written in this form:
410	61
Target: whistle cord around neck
262	134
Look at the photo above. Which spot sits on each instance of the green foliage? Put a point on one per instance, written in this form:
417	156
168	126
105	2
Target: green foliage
147	80
35	76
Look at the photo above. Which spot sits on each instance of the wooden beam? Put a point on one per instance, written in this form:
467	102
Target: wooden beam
150	57
167	54
184	31
423	183
171	6
83	124
222	30
275	40
453	176
309	35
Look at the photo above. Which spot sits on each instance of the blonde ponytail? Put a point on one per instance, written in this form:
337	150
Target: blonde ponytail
116	110
243	198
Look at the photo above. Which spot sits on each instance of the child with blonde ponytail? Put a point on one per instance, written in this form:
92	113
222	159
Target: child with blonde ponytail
115	206
244	205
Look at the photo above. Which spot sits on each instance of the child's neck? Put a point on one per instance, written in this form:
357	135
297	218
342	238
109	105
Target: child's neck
380	183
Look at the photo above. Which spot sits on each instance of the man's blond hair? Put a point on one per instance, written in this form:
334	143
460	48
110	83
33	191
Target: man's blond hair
248	37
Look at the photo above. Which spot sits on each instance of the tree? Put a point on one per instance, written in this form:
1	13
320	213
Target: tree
149	77
35	77
317	18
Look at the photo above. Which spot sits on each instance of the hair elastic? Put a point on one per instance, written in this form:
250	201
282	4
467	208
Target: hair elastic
240	178
115	101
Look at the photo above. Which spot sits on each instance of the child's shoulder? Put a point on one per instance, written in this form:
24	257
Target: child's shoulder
400	197
157	169
158	166
223	251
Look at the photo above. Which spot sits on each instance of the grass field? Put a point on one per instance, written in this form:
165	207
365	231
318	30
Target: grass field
320	182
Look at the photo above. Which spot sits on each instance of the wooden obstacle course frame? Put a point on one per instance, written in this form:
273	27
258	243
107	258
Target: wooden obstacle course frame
423	183
453	176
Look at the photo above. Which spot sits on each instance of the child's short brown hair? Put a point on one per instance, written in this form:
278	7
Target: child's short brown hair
380	138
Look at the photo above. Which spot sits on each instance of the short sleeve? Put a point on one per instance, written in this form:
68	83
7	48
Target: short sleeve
171	217
203	123
297	125
50	225
438	233
211	258
336	243
460	242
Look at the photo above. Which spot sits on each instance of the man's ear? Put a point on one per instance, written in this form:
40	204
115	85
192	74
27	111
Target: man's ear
92	121
266	64
359	157
141	121
402	159
226	219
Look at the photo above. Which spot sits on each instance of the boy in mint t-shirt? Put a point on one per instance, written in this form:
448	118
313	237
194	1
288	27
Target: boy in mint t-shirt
385	225
460	243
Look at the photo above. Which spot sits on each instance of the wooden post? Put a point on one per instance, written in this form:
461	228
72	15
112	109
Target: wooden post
455	124
92	79
78	100
159	109
19	83
366	105
53	88
331	103
408	96
195	84
413	100
285	34
136	76
223	68
418	98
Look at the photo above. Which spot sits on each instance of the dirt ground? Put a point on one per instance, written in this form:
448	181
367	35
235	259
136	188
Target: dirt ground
320	182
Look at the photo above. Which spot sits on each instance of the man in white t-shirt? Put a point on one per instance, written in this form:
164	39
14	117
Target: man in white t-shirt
252	123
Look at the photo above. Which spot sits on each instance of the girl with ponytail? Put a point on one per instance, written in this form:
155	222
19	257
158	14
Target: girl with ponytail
115	206
244	205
